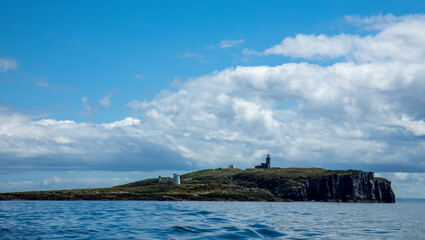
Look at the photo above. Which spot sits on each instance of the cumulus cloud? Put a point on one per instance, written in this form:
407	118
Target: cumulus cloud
398	39
307	46
230	43
8	64
248	52
362	111
106	101
343	115
416	127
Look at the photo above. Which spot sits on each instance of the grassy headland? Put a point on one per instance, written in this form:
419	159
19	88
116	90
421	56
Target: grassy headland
222	184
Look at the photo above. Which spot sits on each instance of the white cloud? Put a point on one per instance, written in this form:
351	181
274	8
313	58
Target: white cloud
106	101
230	43
8	64
339	113
249	52
68	145
416	127
307	46
380	21
399	39
363	111
344	113
123	123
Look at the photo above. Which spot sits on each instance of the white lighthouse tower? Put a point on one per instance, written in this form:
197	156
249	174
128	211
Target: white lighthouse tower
176	179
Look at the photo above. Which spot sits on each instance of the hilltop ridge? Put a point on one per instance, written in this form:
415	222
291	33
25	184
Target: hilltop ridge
232	184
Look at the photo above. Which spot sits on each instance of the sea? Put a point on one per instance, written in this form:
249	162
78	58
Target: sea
210	220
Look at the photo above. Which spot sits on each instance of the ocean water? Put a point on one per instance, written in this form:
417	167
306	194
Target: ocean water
210	220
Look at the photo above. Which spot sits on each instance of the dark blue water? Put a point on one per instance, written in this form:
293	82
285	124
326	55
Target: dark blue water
210	220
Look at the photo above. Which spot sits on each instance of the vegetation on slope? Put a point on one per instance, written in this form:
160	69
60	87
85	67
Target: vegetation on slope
210	184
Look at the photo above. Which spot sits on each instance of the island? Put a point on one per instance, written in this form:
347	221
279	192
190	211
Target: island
262	183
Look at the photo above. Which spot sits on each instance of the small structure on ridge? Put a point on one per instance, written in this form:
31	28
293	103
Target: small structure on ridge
160	180
265	165
176	179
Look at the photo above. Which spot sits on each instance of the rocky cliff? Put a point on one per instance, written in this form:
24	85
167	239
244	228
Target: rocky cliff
355	187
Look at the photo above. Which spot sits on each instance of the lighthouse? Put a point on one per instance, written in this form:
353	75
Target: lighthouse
265	165
268	161
176	179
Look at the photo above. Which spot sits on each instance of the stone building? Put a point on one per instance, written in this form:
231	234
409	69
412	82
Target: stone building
161	180
265	165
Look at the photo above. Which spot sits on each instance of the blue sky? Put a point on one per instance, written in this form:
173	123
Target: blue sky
97	94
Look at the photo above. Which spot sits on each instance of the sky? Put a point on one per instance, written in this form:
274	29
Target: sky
96	94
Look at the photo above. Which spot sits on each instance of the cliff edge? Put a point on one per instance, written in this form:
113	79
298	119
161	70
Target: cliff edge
350	186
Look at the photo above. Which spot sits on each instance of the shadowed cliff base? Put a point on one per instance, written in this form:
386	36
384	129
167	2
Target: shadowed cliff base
232	184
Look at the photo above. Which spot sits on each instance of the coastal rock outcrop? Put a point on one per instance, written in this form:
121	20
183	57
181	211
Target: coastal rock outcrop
356	187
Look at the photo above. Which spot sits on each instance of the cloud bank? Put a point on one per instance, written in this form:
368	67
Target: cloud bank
398	39
364	111
48	144
55	183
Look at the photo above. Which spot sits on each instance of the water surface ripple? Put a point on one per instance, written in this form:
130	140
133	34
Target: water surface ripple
209	220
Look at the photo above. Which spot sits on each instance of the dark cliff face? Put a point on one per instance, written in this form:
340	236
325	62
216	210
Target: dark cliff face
357	187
